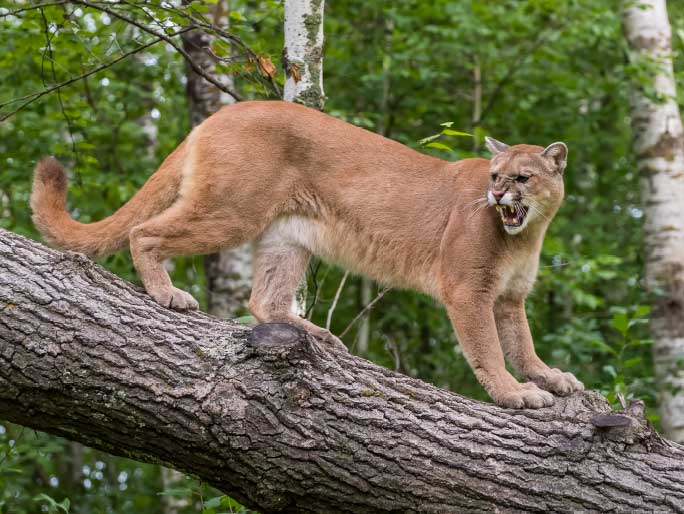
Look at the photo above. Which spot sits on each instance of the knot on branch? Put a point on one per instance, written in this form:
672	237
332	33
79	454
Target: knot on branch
627	426
281	343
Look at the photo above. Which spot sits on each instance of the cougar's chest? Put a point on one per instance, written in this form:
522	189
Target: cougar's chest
519	274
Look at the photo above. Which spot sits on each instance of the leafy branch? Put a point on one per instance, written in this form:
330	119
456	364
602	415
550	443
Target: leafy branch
195	21
32	97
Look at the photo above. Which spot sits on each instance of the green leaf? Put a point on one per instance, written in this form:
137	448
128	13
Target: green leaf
642	310
603	346
632	362
177	492
440	146
199	7
245	320
426	140
449	132
64	505
227	501
610	369
620	322
214	502
42	497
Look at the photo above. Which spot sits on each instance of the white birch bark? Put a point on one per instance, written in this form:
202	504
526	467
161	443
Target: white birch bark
303	52
303	64
659	147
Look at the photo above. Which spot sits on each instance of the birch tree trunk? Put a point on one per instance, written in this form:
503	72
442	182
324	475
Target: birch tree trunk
303	52
287	426
659	147
303	65
228	272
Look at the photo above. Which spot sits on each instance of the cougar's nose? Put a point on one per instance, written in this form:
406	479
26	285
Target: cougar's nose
498	195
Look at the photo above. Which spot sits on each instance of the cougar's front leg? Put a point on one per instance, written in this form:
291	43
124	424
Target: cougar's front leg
473	320
516	341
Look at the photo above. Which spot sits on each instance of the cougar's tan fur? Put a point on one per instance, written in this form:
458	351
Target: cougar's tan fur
299	182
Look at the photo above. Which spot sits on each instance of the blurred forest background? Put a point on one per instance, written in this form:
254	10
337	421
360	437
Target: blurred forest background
528	71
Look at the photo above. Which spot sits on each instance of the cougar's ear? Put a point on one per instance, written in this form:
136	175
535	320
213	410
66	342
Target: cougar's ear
496	147
559	153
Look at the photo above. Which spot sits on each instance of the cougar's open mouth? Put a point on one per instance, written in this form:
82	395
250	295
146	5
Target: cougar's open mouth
512	216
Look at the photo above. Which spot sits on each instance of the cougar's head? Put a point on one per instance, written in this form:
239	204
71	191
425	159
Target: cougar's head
526	182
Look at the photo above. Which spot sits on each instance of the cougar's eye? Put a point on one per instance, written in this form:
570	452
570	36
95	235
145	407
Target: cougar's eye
494	176
522	178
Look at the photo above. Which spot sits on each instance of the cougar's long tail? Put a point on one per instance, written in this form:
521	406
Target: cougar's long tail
48	202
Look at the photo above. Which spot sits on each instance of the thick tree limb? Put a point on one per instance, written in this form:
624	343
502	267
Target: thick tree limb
283	425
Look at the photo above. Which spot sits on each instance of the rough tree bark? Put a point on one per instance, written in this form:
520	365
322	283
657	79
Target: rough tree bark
287	426
228	272
659	147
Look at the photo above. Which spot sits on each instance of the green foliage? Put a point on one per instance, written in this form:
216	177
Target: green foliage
52	506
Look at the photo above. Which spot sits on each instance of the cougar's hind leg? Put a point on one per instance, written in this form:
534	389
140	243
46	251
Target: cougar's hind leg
278	270
181	231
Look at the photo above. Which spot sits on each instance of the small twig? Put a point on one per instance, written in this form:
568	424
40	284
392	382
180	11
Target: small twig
332	308
365	310
32	8
48	50
197	69
32	97
393	350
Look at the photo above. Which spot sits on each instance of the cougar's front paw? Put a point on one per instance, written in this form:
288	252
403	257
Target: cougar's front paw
175	299
558	382
525	396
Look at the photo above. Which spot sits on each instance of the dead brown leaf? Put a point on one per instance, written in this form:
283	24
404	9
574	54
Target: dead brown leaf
294	71
266	67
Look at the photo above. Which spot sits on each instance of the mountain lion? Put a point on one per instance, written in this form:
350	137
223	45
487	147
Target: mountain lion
298	182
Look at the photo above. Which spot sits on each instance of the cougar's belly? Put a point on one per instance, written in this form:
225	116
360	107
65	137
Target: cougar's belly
330	242
371	254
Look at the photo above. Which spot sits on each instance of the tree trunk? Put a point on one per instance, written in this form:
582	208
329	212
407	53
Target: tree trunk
286	426
303	65
228	272
303	52
659	147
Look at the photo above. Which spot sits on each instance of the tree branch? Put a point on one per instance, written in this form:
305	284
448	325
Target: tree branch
286	426
32	97
197	69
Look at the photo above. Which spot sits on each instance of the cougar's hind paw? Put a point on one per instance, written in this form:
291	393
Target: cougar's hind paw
175	299
329	339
